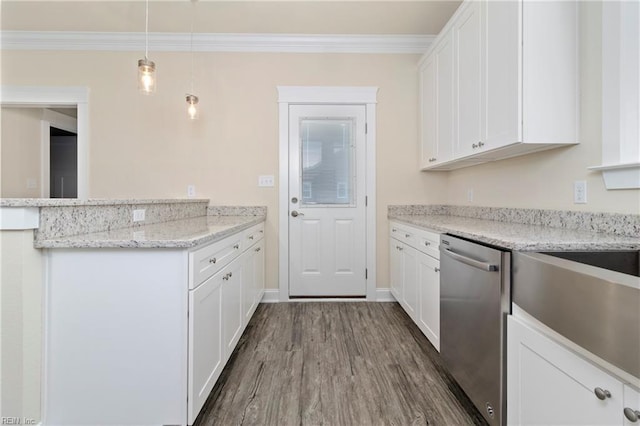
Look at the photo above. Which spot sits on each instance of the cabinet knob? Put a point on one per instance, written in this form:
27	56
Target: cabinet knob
427	243
230	274
257	249
407	235
226	277
213	260
631	414
400	248
394	230
237	246
436	269
602	394
474	145
480	144
251	237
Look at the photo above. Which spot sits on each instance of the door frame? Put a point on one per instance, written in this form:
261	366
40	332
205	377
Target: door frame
327	95
59	121
51	97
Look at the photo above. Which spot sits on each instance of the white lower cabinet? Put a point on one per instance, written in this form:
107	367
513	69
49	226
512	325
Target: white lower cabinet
140	336
414	274
206	350
549	384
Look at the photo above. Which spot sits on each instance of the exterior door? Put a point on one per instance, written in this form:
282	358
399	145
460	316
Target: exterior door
327	216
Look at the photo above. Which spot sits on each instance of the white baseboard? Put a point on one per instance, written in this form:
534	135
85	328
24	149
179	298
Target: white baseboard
384	295
272	295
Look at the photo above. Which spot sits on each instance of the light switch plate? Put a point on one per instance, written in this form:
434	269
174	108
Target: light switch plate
191	190
266	180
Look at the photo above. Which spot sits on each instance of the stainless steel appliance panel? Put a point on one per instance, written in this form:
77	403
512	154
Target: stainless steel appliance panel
474	301
593	307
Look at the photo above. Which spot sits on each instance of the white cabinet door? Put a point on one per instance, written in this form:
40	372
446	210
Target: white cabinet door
468	80
410	280
258	273
428	111
502	59
445	98
395	268
429	290
248	285
205	341
631	406
550	385
232	316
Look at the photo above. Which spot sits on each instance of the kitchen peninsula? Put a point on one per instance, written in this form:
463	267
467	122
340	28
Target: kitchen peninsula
140	316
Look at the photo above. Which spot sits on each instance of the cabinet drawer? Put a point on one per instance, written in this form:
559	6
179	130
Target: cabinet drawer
210	259
253	235
429	243
422	240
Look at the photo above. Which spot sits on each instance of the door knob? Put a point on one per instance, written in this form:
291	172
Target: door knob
296	214
294	200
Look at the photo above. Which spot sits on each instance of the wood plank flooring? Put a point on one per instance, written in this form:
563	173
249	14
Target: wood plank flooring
335	364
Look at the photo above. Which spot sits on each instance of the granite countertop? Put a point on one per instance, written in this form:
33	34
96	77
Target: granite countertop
182	233
64	202
520	237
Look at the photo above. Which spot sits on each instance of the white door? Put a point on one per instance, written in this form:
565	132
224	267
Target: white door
327	217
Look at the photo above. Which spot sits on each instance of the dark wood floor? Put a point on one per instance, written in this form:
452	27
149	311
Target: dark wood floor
335	364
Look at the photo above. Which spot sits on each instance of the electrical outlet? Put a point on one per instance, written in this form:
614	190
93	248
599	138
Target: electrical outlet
138	215
580	192
191	190
266	180
470	194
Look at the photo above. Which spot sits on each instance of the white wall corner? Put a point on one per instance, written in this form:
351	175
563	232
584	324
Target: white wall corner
384	295
271	295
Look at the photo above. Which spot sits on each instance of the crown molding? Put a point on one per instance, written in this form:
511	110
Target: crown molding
214	42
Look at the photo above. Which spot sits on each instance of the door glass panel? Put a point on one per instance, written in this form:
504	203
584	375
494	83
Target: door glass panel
327	161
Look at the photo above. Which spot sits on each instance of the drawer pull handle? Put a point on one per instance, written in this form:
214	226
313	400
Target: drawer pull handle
436	269
213	260
427	243
602	394
251	237
237	246
631	414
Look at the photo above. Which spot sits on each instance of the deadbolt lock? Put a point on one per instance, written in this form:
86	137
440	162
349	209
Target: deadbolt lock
294	200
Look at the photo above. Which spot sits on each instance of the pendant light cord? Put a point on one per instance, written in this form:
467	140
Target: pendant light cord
146	30
193	12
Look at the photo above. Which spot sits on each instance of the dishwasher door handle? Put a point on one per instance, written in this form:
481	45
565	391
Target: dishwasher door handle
472	262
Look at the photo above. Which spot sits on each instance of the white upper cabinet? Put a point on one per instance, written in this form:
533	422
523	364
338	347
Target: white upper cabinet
515	80
437	102
468	45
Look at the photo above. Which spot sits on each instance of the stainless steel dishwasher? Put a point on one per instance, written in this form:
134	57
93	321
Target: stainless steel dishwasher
474	302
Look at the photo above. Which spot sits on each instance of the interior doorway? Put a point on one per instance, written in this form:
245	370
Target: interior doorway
63	163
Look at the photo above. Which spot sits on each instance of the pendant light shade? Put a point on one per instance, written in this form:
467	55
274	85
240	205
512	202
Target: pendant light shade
192	107
146	68
146	76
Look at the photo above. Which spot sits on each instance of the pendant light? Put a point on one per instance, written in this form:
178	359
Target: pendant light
146	68
192	100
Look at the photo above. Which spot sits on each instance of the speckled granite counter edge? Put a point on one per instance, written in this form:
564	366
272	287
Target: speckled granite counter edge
237	210
188	242
65	202
610	223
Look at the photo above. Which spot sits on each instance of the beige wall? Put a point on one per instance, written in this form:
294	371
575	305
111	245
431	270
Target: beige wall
20	330
545	180
20	146
143	146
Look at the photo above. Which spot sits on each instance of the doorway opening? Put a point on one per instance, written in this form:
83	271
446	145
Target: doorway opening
63	163
327	214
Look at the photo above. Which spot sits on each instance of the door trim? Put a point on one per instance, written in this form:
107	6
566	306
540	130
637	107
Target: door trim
48	96
291	95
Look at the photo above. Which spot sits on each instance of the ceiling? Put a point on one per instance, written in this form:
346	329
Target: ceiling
275	17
